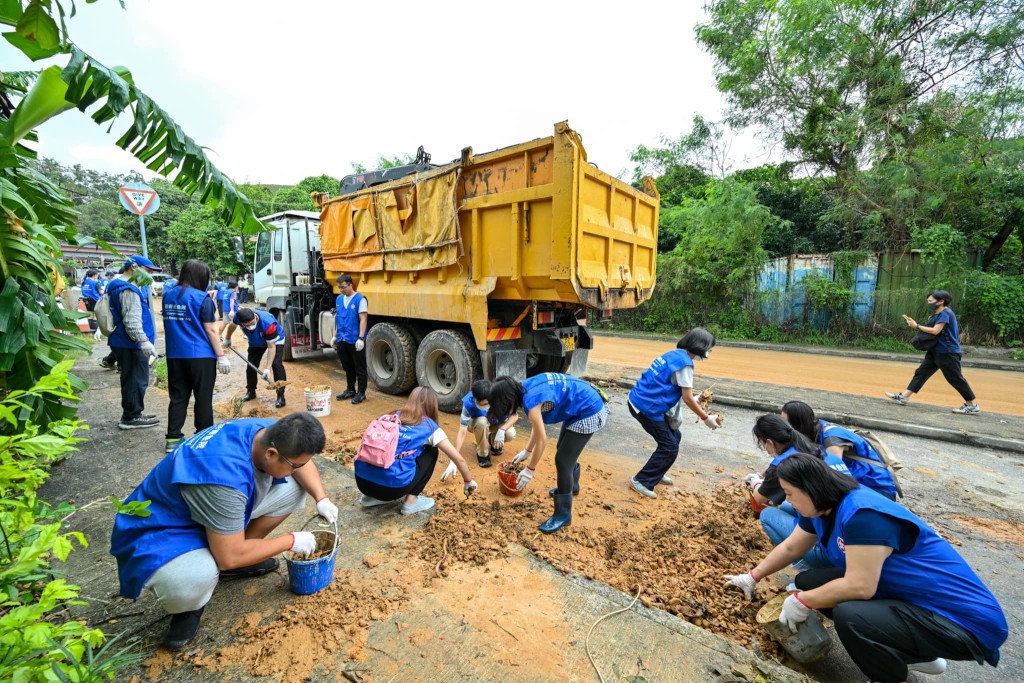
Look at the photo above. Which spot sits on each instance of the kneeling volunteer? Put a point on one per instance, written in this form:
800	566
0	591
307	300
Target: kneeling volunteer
214	500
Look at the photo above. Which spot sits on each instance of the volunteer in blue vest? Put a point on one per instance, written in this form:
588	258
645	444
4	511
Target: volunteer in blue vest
553	398
109	362
90	290
845	444
169	284
229	304
900	595
194	352
944	356
221	288
668	381
266	342
133	342
350	316
489	431
213	502
101	283
419	440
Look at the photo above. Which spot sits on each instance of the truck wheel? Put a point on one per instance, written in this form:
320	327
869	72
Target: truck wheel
391	358
537	364
448	362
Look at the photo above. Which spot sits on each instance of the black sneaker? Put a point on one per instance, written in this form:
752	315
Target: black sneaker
259	569
138	423
249	395
183	629
347	394
105	365
483	460
358	398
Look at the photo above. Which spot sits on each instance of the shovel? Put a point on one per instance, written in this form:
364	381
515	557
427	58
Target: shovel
246	361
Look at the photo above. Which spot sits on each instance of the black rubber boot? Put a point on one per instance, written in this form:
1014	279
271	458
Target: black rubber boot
575	482
249	395
280	403
562	516
183	629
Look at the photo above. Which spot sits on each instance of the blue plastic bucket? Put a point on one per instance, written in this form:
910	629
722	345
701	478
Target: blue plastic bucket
306	577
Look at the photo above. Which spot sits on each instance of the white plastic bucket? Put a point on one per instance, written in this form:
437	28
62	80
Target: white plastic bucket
318	401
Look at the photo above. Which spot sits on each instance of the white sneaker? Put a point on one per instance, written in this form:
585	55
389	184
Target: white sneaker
641	489
934	667
666	480
369	502
968	409
422	504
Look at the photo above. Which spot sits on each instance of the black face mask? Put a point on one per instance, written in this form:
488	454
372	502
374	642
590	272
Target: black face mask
934	304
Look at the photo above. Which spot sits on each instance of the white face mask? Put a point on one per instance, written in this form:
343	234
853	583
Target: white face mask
482	406
250	328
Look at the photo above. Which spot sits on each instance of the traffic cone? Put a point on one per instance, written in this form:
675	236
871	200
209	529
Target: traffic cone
83	322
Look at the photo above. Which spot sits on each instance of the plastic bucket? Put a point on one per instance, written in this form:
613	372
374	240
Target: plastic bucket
810	642
318	401
507	480
306	577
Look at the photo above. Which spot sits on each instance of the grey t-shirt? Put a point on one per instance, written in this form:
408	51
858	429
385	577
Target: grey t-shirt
221	509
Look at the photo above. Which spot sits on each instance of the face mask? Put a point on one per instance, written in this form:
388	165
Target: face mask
250	328
482	406
140	278
933	304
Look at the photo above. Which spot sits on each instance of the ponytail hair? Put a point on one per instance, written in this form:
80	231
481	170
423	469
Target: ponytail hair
802	418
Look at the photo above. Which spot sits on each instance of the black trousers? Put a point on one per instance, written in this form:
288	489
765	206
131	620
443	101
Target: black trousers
187	378
134	381
425	464
567	453
256	354
664	456
949	364
883	636
354	364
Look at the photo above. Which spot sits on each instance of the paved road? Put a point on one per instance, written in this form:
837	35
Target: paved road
998	391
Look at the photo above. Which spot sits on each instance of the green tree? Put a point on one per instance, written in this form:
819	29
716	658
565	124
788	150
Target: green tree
319	183
197	233
382	162
292	198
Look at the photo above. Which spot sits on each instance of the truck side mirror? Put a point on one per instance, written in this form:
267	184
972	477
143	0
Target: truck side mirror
239	249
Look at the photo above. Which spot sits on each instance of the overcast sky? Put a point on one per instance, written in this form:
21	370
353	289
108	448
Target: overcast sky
277	91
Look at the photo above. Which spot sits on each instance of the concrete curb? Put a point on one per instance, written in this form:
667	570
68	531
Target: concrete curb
938	433
968	361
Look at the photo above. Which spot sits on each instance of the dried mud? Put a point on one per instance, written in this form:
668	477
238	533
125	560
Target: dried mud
1003	530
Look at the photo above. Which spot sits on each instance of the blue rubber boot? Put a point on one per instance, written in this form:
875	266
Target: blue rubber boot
562	516
575	482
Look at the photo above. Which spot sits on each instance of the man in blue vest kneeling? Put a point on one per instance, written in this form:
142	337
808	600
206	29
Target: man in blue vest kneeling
213	502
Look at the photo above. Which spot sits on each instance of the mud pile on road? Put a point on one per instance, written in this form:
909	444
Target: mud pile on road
678	556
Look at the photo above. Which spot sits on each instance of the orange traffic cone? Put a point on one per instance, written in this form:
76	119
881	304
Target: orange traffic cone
83	322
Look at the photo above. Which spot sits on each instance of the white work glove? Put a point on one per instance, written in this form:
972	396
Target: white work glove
469	487
360	344
524	478
520	457
98	336
148	349
226	342
499	439
449	471
745	582
223	365
753	480
794	612
332	342
712	422
265	374
328	510
303	543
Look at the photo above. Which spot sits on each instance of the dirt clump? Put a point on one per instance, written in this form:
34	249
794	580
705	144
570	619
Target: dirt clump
324	547
342	445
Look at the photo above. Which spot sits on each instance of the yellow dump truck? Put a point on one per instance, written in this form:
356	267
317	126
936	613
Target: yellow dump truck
482	267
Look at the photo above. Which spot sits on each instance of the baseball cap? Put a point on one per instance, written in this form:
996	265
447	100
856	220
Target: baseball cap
109	272
139	260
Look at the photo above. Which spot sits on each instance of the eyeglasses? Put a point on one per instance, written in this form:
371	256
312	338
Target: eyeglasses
285	458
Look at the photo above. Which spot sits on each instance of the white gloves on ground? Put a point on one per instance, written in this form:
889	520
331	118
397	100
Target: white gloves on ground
360	344
499	439
524	478
469	487
745	582
449	471
223	365
520	457
328	510
794	612
148	349
712	422
226	342
303	543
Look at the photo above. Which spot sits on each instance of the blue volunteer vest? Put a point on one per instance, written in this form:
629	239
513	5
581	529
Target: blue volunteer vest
183	328
226	305
573	398
873	476
833	461
469	405
412	439
931	575
654	394
89	290
101	285
221	288
170	284
264	321
347	318
120	338
220	455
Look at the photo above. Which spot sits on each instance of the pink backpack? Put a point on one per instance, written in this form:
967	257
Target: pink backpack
380	441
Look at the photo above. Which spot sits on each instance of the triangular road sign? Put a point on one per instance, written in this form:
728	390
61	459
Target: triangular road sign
137	200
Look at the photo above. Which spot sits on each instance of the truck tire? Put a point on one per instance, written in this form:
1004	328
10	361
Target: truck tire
548	364
448	362
391	358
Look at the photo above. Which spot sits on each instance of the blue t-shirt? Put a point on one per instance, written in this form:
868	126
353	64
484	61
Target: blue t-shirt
949	340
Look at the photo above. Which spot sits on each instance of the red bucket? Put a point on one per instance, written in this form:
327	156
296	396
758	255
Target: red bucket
507	474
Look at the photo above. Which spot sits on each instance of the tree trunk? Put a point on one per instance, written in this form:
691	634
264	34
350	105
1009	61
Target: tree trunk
1011	223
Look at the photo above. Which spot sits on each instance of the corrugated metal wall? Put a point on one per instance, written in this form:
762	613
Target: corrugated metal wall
783	299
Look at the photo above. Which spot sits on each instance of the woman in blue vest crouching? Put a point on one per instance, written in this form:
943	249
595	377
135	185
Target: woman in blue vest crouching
901	597
419	440
553	398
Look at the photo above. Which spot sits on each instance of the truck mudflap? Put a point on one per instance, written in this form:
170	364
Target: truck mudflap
561	341
299	341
